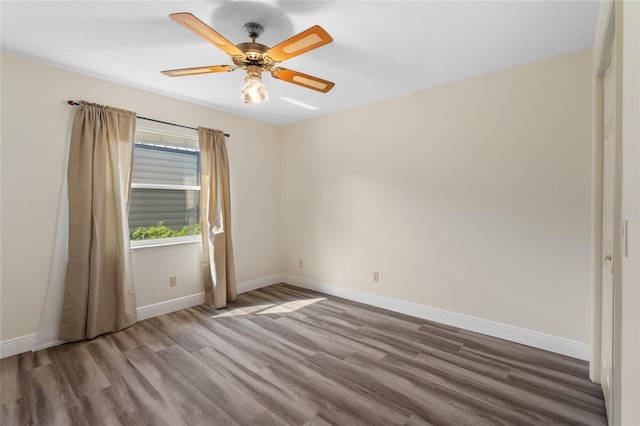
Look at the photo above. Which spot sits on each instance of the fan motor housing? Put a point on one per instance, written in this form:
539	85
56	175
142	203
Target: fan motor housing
254	51
254	54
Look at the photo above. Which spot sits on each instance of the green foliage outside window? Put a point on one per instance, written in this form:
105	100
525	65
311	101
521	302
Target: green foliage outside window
161	231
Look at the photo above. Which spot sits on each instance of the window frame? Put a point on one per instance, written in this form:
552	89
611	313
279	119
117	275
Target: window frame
160	242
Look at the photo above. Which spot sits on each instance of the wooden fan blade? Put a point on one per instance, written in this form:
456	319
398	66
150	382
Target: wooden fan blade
198	70
307	40
206	32
304	80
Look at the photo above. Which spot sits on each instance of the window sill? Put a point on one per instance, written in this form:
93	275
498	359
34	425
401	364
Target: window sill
161	242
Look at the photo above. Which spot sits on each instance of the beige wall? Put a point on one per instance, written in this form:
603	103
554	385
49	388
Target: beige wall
35	119
630	353
472	197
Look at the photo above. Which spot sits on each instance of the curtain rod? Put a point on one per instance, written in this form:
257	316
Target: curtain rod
152	119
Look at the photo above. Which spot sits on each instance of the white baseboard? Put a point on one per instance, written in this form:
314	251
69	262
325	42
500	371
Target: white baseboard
17	345
168	306
532	338
45	339
49	338
259	283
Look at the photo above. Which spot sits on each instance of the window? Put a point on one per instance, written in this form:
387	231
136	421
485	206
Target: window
165	189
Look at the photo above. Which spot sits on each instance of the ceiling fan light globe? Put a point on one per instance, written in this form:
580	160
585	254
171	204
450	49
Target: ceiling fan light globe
254	91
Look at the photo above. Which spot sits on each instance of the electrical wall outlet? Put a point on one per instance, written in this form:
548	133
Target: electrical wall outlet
376	277
300	263
173	281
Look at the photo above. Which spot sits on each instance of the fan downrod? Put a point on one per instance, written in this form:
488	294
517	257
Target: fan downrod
253	29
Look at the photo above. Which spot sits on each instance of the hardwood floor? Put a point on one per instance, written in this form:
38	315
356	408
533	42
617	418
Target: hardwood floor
286	356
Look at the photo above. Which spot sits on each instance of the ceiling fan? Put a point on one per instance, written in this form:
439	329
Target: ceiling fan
256	58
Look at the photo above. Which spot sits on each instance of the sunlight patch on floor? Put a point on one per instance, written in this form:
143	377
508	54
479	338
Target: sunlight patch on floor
291	306
267	308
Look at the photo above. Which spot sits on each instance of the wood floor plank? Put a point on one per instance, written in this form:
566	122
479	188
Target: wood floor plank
237	404
12	381
181	317
431	328
320	319
54	401
567	379
193	407
102	409
286	405
434	402
283	355
340	404
414	339
132	388
417	421
17	412
235	347
514	351
158	413
350	306
379	320
16	401
31	360
313	325
317	420
266	294
189	336
80	369
365	338
430	355
551	389
145	334
290	347
496	392
311	337
297	337
266	418
124	339
471	397
252	338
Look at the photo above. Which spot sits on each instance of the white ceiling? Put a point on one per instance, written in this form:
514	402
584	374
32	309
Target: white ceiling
381	49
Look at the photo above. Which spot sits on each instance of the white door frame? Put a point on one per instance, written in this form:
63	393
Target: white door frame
608	32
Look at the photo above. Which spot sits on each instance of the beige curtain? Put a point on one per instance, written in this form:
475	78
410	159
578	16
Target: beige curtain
215	200
99	294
